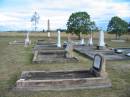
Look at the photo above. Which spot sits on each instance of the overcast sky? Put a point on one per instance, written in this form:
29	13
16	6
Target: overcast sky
16	14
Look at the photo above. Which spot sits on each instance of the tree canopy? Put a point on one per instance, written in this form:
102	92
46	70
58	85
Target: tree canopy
117	26
79	22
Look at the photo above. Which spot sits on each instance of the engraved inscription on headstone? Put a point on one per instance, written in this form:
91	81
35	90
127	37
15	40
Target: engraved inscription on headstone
97	62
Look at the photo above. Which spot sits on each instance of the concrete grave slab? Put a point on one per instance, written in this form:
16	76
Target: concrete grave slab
16	42
50	53
107	53
96	77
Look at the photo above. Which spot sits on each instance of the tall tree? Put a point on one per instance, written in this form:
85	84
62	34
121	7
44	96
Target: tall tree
129	27
79	22
117	26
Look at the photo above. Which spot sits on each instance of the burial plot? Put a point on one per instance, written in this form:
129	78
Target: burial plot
50	53
96	77
26	42
107	53
16	43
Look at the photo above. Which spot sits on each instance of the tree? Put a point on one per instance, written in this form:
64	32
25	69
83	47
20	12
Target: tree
117	26
129	27
79	22
35	19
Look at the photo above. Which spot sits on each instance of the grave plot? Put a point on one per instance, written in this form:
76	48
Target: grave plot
43	42
107	53
96	77
17	42
50	53
25	42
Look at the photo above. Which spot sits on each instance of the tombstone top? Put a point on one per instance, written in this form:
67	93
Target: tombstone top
98	62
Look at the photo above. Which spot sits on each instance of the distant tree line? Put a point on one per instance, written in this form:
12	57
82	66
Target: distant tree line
80	22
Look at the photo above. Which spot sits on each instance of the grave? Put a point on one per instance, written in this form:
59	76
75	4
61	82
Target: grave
26	42
16	42
95	77
50	53
109	54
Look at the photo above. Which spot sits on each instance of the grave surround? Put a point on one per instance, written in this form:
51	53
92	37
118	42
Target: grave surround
109	54
95	77
48	52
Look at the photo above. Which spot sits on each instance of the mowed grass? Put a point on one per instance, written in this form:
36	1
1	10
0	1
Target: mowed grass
15	58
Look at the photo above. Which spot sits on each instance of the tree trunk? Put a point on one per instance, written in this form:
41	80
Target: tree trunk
79	37
116	36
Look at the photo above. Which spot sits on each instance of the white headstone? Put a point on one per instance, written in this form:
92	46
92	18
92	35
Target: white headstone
82	41
90	42
27	41
101	40
49	34
58	40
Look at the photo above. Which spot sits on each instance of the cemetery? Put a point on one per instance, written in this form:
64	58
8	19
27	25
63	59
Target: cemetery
75	56
65	76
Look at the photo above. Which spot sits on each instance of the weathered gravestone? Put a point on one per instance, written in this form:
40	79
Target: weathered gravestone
96	77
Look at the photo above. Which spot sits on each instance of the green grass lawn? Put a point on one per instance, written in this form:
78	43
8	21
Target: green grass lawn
15	58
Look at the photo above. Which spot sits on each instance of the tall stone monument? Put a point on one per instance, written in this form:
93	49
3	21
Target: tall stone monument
101	44
48	25
58	39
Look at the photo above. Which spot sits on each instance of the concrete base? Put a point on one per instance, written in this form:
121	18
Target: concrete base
52	56
101	48
17	43
108	54
50	53
61	80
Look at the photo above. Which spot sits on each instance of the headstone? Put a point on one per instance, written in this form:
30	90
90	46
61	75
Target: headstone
58	40
90	42
69	50
101	41
49	34
27	41
82	41
99	65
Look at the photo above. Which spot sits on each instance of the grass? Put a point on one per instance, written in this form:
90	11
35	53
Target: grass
15	58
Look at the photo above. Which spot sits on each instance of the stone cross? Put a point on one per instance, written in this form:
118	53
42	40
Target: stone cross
101	40
58	40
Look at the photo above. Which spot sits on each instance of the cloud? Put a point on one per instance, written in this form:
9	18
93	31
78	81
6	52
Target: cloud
17	13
